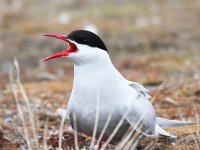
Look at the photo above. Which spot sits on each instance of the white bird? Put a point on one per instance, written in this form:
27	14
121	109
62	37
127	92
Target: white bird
99	90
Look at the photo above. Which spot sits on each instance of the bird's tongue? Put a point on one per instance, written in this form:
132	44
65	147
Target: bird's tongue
72	47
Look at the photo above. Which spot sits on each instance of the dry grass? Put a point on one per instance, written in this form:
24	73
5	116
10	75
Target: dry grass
163	56
17	90
186	135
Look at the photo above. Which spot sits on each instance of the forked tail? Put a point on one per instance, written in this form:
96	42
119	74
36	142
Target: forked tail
166	123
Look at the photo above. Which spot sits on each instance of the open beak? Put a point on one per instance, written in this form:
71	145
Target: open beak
72	47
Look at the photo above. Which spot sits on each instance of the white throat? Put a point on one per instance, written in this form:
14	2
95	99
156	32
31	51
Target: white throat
91	68
89	55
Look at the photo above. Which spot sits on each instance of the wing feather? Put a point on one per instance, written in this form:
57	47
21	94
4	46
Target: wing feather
139	88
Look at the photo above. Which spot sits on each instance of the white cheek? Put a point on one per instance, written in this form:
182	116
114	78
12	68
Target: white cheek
87	54
83	51
74	55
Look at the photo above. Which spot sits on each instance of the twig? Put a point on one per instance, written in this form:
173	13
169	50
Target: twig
61	131
45	134
75	131
105	126
20	111
26	99
96	122
158	91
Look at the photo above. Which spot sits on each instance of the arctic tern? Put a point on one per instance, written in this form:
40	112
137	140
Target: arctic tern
98	86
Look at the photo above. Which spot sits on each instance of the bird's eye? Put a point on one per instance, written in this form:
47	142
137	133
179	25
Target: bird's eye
84	40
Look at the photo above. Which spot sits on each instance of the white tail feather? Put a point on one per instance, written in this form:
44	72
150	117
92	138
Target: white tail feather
166	123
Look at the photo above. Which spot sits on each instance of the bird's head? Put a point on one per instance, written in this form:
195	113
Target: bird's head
83	46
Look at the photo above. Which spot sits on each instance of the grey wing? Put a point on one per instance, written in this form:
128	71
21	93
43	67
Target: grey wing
139	88
142	111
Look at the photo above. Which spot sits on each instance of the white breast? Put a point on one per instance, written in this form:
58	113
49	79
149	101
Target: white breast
100	83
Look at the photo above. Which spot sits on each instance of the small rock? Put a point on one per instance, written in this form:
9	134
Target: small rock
60	112
197	93
155	20
8	119
142	22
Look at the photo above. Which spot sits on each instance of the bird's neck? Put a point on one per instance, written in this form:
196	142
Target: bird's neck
93	76
94	71
96	67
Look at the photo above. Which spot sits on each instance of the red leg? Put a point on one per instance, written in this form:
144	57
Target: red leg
99	146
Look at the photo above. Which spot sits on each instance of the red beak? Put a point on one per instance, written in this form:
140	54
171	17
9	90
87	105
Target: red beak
72	47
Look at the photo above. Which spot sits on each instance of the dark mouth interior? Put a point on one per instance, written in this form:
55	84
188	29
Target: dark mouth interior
72	47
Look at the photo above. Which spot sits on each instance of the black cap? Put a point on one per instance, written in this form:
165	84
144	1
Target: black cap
87	38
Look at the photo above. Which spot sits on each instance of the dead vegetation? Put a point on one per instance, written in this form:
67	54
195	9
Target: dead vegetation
152	42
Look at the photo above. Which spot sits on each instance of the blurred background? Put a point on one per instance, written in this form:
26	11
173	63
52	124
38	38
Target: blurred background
149	41
156	30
